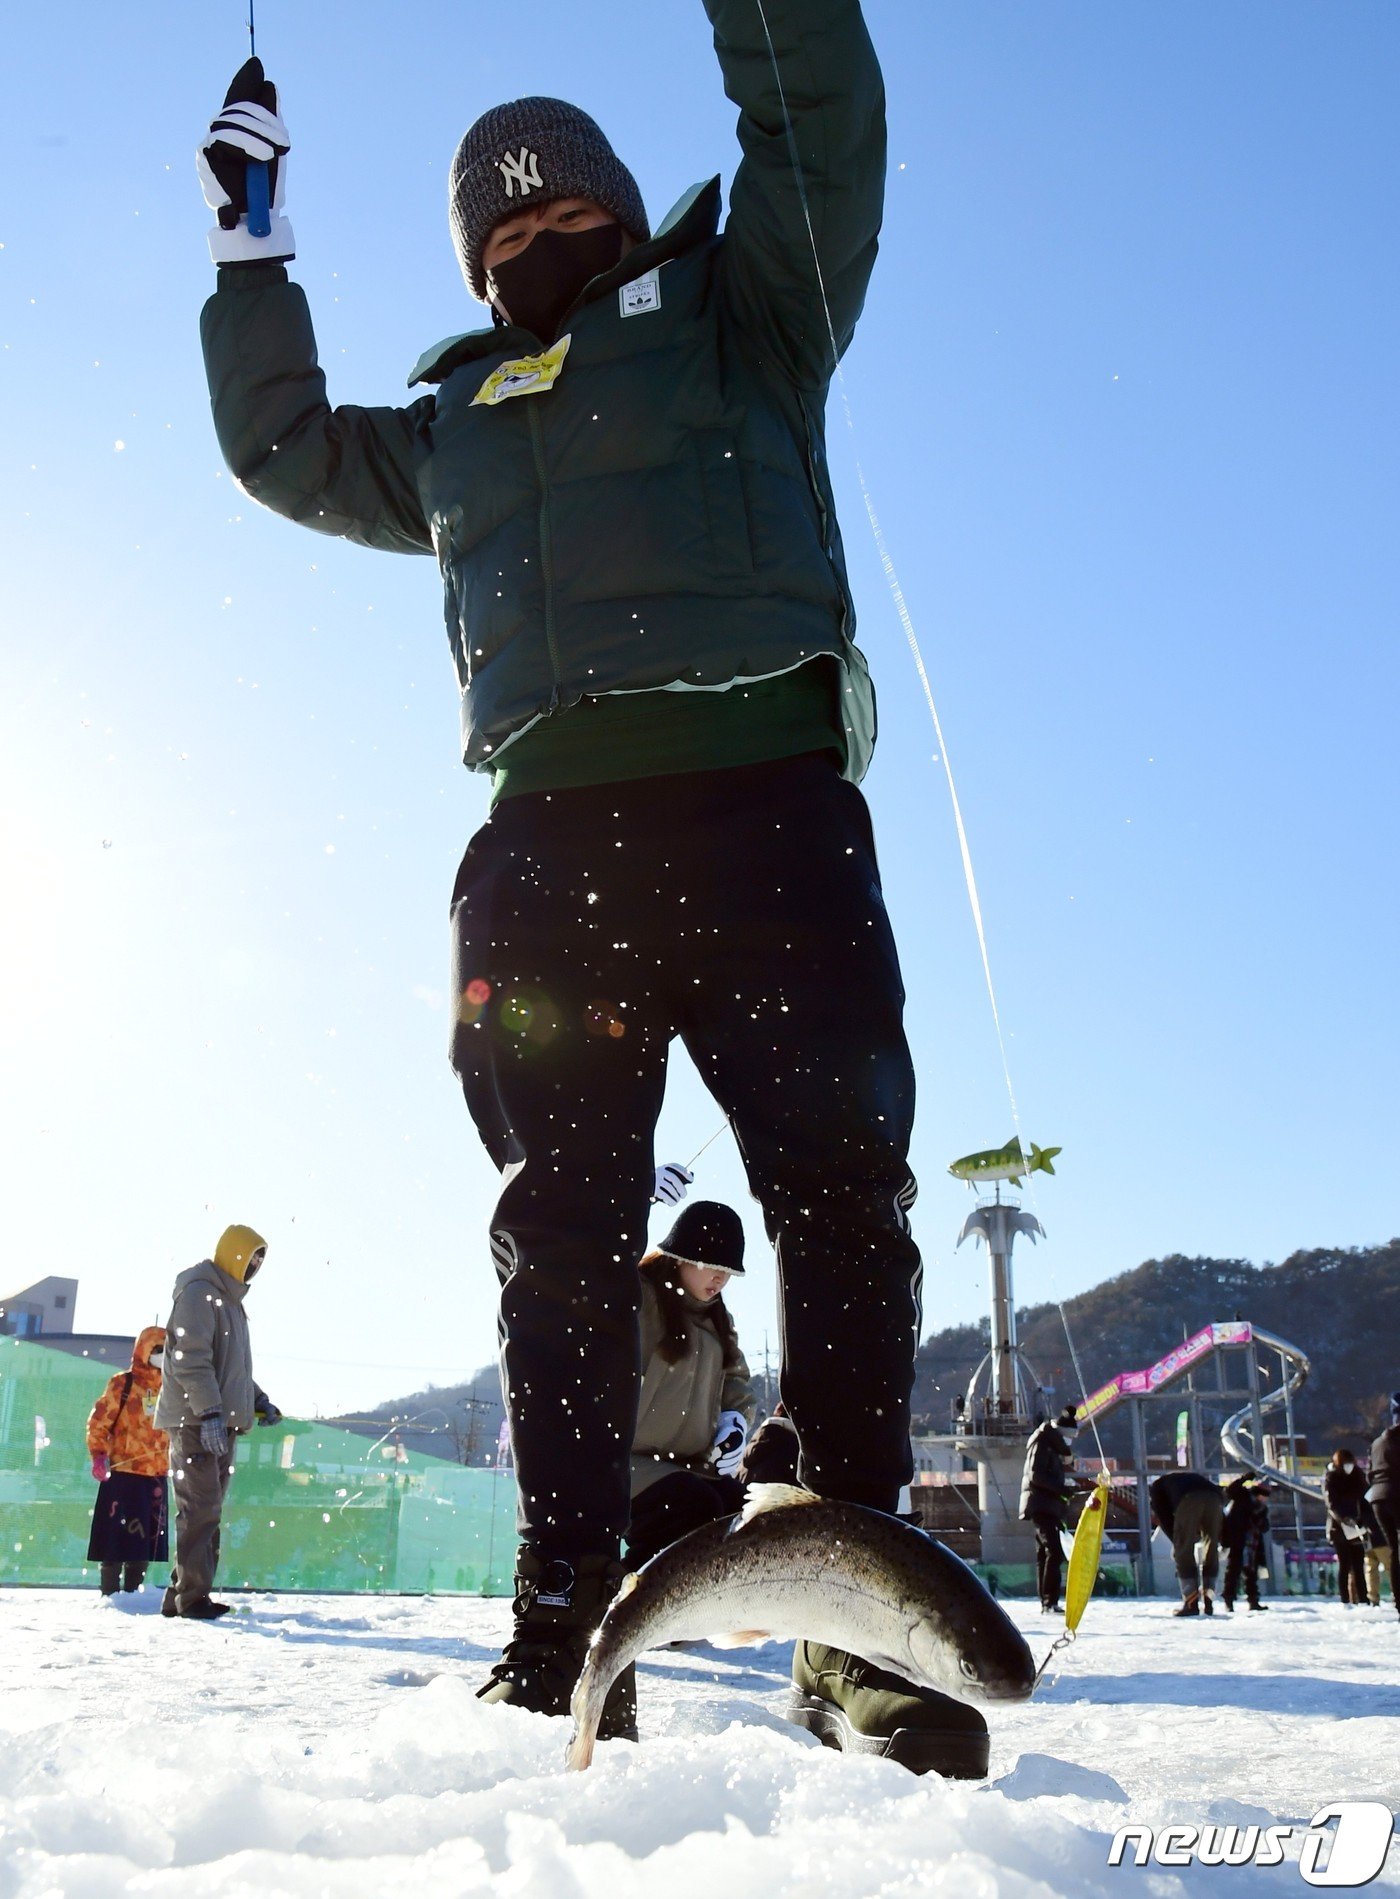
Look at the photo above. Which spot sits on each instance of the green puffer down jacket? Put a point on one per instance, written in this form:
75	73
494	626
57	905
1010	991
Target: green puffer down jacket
660	517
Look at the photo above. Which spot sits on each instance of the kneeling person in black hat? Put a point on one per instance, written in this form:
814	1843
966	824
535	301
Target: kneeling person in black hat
697	1400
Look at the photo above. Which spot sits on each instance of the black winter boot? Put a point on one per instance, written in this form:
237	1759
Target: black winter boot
850	1704
558	1605
110	1577
1191	1606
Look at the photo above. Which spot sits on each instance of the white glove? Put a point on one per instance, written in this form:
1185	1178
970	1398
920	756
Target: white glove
730	1439
248	129
671	1183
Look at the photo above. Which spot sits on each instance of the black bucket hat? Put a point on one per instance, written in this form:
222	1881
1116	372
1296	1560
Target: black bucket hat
707	1233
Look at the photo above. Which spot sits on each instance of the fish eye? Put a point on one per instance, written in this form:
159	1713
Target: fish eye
966	1669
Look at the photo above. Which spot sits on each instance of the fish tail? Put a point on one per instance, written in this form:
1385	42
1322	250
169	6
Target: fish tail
586	1706
580	1751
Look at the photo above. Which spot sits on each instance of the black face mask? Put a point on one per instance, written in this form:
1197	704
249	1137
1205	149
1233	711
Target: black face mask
538	286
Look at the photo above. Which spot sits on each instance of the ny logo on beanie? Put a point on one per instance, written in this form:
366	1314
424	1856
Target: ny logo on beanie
523	171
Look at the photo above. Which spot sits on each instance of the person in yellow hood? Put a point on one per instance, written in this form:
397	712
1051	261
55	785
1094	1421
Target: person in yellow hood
208	1396
130	1458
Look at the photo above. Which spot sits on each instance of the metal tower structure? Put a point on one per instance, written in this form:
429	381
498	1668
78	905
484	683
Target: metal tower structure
1004	1395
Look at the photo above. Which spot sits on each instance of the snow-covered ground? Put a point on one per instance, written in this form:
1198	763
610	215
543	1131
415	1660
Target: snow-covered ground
314	1745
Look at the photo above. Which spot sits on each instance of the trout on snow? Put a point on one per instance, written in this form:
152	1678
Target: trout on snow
793	1564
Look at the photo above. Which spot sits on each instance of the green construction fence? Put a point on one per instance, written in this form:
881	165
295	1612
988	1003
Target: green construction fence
310	1506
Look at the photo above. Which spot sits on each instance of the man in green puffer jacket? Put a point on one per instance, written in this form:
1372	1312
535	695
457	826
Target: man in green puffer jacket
624	481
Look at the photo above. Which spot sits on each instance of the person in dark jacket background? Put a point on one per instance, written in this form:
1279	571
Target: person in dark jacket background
1246	1526
624	482
1383	1491
1189	1509
1046	1487
1344	1493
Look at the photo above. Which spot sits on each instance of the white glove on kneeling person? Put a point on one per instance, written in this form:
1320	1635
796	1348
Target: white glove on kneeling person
730	1438
672	1182
247	131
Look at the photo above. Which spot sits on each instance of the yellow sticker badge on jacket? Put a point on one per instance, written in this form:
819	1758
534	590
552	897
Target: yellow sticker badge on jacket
527	376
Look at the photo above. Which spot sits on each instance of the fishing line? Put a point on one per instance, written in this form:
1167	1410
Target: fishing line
911	636
1060	1642
710	1143
1083	1388
892	576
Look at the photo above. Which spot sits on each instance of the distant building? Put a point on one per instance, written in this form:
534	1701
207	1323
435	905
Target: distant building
935	1457
43	1314
45	1308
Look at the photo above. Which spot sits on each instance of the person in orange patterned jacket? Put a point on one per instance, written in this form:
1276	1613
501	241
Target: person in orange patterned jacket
130	1460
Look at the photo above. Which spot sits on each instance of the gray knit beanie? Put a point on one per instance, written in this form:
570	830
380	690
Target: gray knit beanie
533	151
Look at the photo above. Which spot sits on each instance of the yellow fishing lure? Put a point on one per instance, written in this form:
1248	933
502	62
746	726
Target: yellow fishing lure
1084	1555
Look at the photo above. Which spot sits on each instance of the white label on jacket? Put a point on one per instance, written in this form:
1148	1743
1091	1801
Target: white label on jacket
642	294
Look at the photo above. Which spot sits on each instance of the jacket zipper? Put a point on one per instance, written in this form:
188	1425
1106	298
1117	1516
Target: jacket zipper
546	552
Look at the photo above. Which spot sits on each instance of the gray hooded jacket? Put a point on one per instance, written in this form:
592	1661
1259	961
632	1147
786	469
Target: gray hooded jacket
208	1360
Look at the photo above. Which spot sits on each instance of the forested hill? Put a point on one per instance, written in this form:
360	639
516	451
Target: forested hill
1340	1307
458	1422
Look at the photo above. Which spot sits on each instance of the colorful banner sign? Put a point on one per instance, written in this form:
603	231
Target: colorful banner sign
1181	1358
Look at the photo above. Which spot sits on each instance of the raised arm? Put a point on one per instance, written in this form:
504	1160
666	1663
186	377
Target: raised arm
835	99
346	471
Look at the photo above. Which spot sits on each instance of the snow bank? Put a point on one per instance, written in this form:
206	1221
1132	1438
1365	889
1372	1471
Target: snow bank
328	1746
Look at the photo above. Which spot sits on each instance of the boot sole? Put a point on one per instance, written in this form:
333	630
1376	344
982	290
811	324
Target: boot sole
953	1754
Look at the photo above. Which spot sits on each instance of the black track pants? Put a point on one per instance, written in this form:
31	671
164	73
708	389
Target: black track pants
1351	1565
740	910
1049	1558
1242	1568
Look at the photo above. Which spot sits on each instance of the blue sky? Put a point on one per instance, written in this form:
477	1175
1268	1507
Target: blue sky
1125	397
